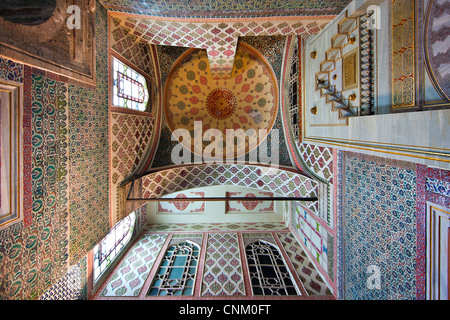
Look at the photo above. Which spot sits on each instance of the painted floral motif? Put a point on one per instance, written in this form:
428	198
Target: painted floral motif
183	206
249	205
220	39
246	101
129	278
220	103
203	9
380	224
223	270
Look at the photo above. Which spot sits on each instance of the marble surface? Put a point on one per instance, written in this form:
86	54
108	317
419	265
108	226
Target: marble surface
421	137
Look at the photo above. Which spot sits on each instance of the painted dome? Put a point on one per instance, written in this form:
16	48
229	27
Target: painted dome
246	100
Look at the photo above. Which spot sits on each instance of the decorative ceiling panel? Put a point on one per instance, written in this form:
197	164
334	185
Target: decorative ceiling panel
227	8
219	38
246	101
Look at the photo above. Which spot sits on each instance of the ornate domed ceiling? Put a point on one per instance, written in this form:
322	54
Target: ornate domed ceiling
246	100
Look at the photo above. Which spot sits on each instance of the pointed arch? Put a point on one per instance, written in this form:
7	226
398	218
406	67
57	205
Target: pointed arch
177	271
269	274
280	181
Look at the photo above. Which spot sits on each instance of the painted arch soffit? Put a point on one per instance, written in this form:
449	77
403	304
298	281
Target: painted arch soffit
226	9
219	37
153	185
278	181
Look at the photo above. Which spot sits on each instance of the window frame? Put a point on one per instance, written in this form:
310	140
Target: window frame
103	264
115	94
293	99
255	271
167	266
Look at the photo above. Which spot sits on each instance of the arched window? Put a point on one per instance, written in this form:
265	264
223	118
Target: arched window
293	101
269	275
130	88
107	250
176	274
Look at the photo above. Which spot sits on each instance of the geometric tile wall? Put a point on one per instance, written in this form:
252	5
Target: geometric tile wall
132	272
88	149
379	227
226	9
222	272
125	44
88	171
62	220
311	279
319	159
218	38
130	135
279	181
130	132
69	287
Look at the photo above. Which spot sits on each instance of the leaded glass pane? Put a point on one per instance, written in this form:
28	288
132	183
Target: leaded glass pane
112	244
268	272
129	87
176	274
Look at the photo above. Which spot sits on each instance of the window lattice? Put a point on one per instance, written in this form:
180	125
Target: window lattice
130	88
176	274
293	107
106	251
269	275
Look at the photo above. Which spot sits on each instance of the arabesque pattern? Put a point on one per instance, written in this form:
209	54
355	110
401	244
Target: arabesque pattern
218	38
223	268
281	182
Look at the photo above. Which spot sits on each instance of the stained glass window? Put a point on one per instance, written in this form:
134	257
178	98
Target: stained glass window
269	275
176	274
107	250
130	87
